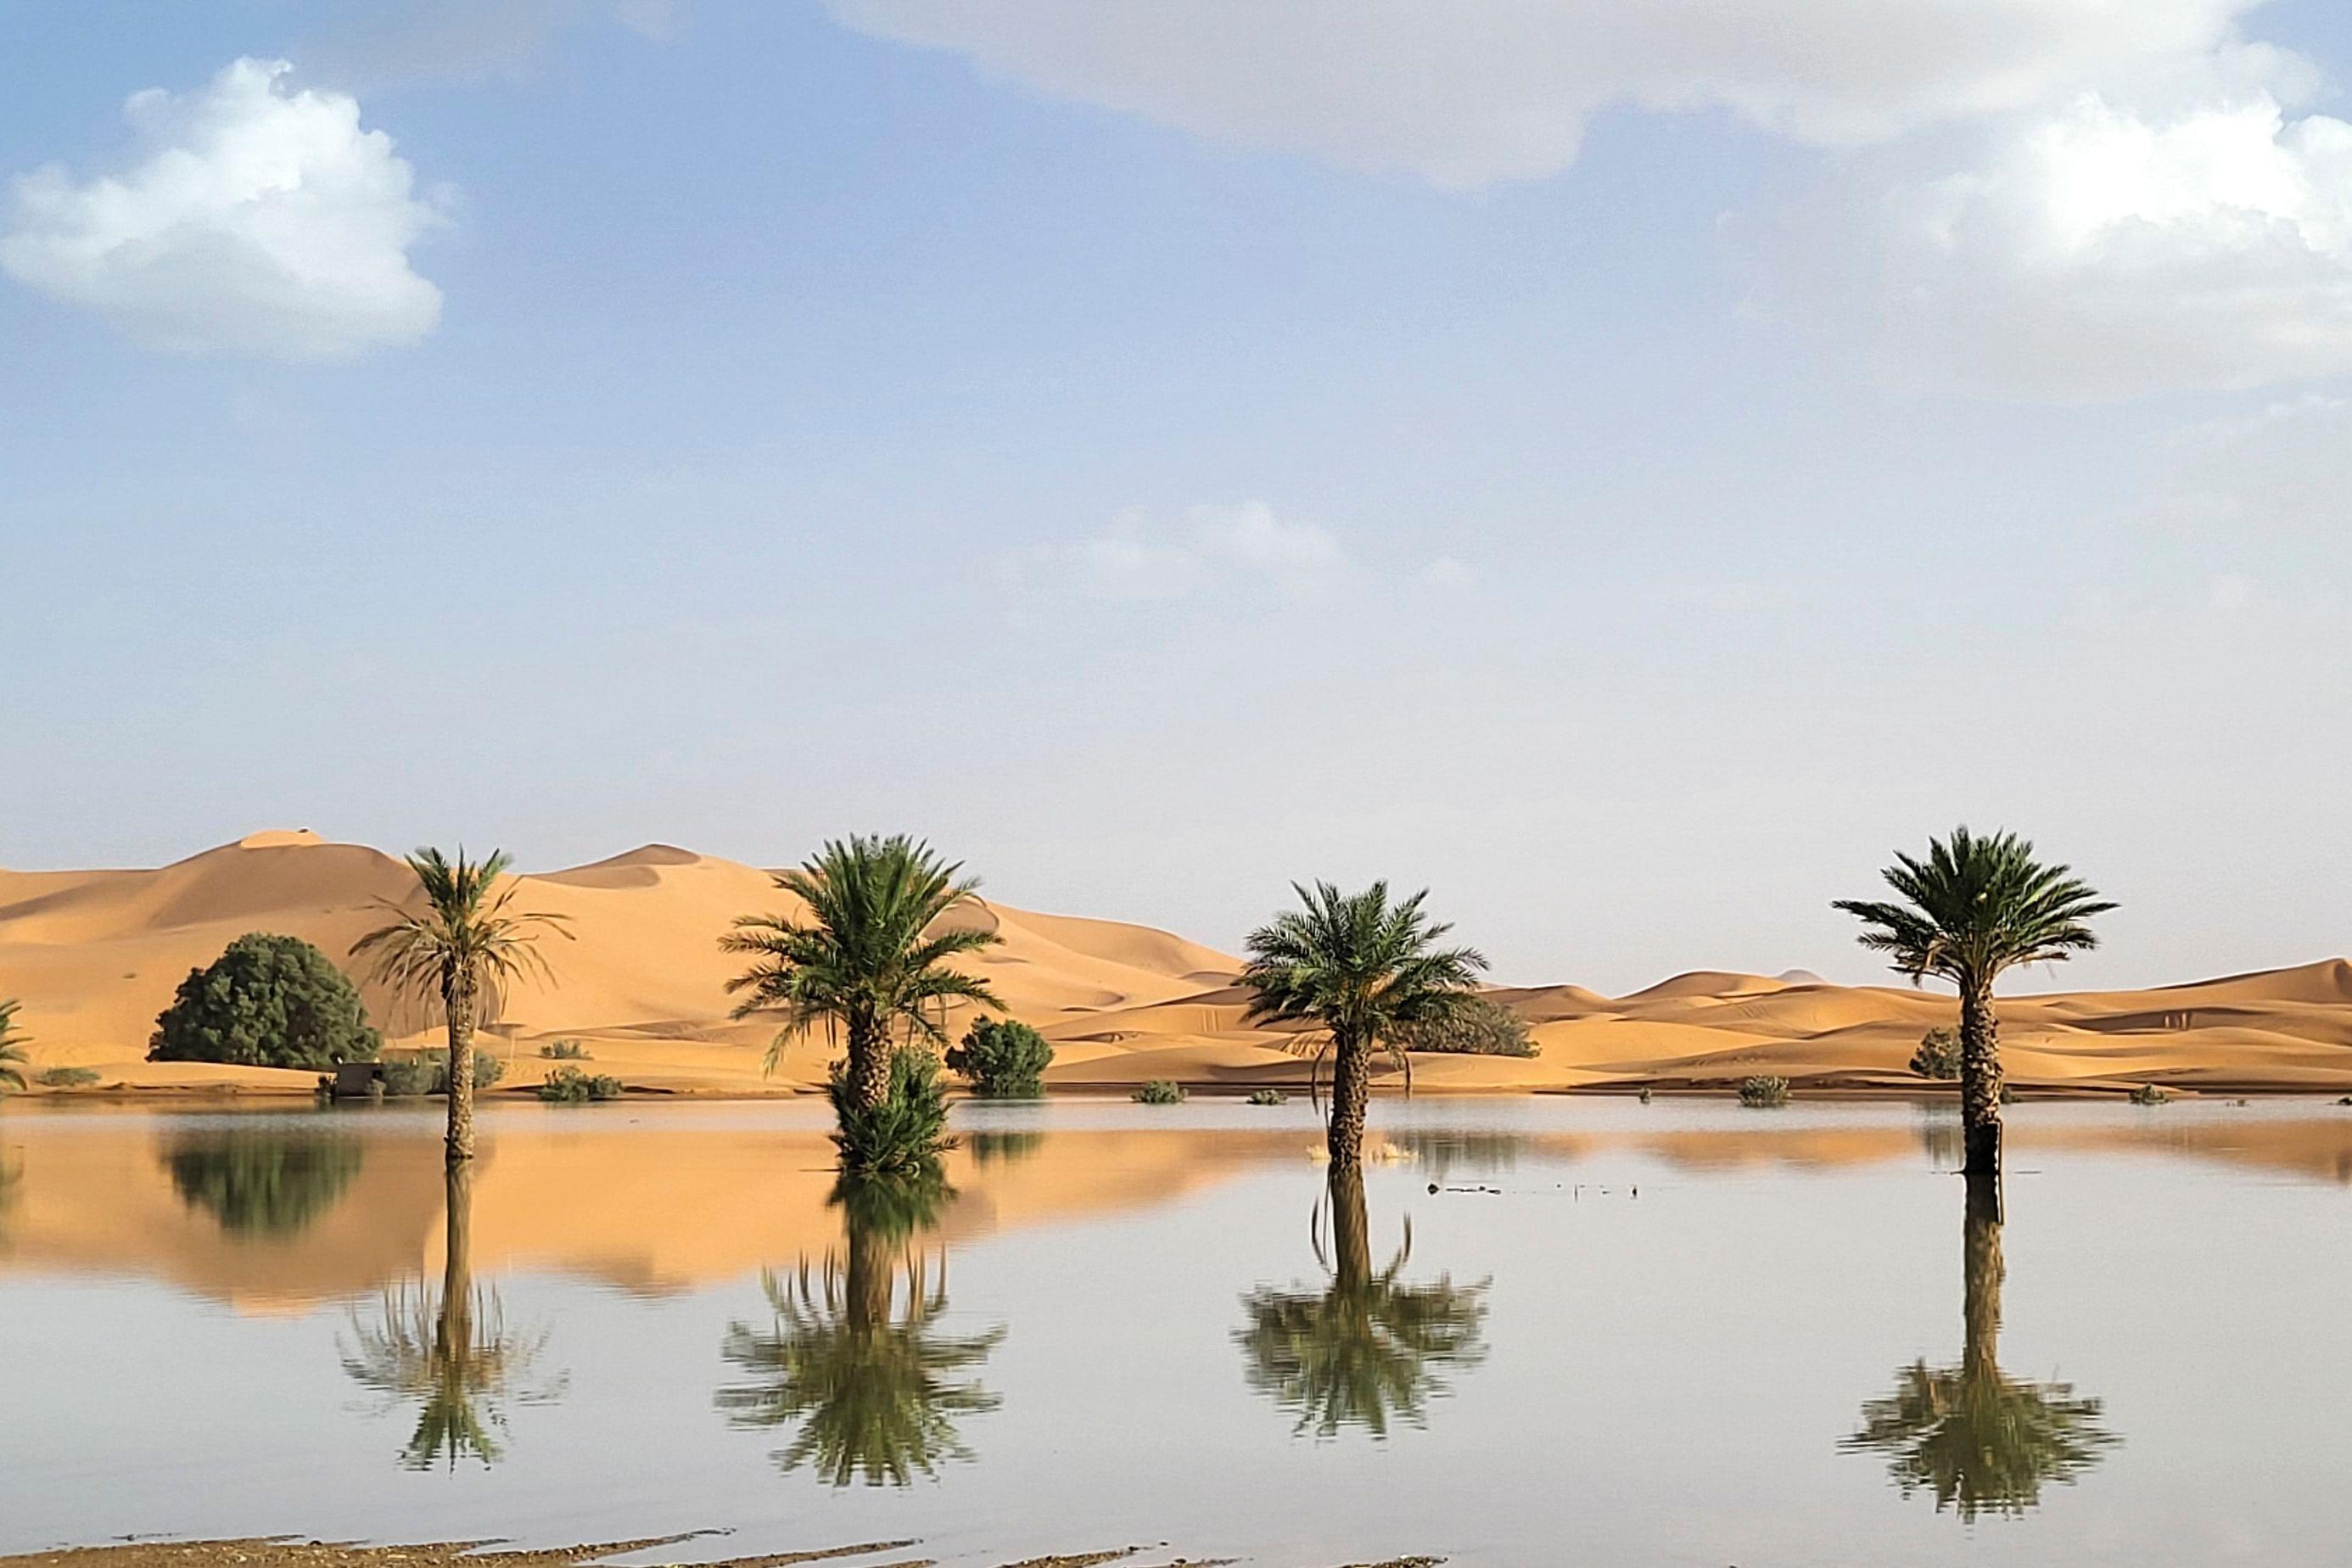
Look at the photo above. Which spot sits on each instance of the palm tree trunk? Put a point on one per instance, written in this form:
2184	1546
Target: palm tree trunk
460	1000
1979	1081
455	1326
1981	1277
1351	1087
869	1063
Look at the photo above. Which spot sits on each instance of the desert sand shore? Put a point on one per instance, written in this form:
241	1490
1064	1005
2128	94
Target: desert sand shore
95	955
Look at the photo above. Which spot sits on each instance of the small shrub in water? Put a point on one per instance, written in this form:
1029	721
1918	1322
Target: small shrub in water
566	1051
1939	1056
2148	1094
1764	1090
570	1086
905	1134
2008	1095
66	1077
1003	1060
1268	1097
1645	1094
1160	1092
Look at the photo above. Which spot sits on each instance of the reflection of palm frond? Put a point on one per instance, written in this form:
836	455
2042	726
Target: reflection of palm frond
1982	1442
862	1366
1368	1349
456	1360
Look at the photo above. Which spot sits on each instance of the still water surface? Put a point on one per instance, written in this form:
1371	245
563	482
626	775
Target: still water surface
1676	1333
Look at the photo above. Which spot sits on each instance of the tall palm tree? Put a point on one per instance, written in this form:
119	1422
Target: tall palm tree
1982	1441
453	1356
460	950
1360	969
855	1357
1973	907
866	962
1367	1348
12	1048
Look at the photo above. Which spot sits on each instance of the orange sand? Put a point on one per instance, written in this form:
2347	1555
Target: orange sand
94	955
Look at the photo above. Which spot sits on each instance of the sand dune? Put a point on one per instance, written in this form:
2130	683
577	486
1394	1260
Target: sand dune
94	955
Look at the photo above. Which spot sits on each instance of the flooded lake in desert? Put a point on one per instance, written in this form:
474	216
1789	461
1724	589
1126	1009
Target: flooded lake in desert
1544	1331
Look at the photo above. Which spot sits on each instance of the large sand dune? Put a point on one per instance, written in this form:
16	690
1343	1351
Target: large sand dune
94	955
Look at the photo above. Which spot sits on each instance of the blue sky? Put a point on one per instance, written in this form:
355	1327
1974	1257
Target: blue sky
1626	472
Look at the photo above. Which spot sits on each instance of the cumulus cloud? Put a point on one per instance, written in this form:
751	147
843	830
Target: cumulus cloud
1139	558
253	219
1469	92
2101	250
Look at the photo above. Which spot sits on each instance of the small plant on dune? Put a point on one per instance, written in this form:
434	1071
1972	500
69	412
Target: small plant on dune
1002	1059
488	1070
67	1077
1160	1092
408	1076
11	1049
904	1135
1267	1096
1939	1056
1476	1025
2148	1094
570	1086
566	1051
1764	1090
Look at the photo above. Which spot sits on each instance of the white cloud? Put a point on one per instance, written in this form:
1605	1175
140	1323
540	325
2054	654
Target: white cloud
254	220
2103	250
1467	92
1138	558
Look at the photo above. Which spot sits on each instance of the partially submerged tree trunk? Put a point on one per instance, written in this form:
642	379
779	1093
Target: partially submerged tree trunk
869	1063
459	997
454	1328
1351	1230
1980	1081
1351	1087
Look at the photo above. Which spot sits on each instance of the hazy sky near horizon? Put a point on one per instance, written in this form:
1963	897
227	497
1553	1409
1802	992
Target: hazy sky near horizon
1627	469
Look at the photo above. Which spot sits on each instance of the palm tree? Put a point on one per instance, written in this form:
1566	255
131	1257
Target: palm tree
1974	908
12	1048
1360	969
461	951
454	1356
855	1356
1367	1348
1980	1440
867	962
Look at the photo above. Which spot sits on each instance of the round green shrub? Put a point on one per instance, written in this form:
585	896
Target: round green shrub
1939	1056
1268	1097
1160	1092
570	1086
1473	1025
266	1002
1764	1090
1001	1059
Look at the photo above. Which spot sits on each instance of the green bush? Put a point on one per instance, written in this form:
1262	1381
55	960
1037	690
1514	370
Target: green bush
1473	1025
2148	1094
427	1072
1645	1096
1764	1090
904	1135
267	1002
566	1051
570	1086
1268	1097
1003	1060
1160	1092
1939	1056
67	1077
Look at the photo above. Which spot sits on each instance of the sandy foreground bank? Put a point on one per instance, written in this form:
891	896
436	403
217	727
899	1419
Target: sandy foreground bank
95	955
469	1554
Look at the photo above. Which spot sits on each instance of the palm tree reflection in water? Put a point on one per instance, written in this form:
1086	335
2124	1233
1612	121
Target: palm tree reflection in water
855	1355
454	1357
1983	1442
1367	1348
